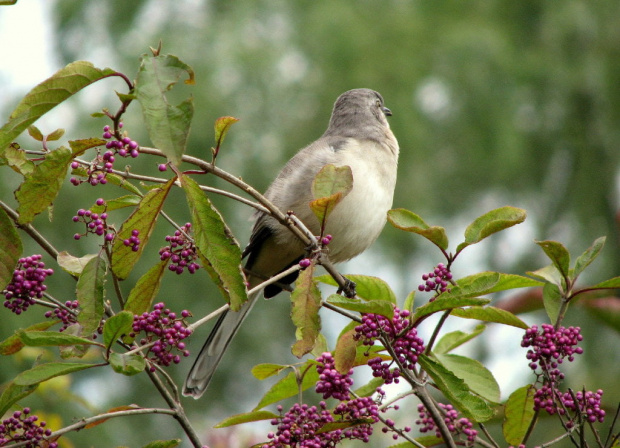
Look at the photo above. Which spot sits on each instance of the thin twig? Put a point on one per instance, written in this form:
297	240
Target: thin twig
208	317
274	279
89	420
32	232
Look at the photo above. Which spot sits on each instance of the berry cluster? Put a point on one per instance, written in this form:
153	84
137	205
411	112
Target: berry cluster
331	382
455	424
588	403
395	332
27	283
66	314
181	252
437	280
22	427
166	331
549	347
133	241
104	163
354	411
300	426
390	427
95	223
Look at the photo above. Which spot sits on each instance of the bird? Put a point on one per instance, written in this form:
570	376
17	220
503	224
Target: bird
359	136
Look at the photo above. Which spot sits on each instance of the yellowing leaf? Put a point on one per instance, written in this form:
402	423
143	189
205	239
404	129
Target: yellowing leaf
306	300
143	220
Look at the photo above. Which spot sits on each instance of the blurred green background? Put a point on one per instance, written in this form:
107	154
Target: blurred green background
495	103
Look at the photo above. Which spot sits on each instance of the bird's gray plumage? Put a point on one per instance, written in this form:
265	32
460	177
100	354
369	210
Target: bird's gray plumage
359	136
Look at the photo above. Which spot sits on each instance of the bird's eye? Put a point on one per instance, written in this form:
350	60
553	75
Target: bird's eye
378	103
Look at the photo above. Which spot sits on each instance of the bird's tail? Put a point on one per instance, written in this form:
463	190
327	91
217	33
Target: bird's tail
211	353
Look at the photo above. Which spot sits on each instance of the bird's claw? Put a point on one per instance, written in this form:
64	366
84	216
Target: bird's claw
348	289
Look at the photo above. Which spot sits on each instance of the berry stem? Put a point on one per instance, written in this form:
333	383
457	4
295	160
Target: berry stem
115	281
431	342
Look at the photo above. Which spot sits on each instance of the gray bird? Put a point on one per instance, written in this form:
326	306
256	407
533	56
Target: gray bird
359	136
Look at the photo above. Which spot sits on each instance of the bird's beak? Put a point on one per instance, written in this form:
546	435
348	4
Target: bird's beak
387	112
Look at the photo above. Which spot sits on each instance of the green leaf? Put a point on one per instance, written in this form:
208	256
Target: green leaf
366	287
490	223
509	281
117	326
128	365
80	146
409	301
146	289
17	159
129	200
41	187
584	260
13	343
343	424
222	125
490	314
288	386
71	264
612	283
365	353
477	377
306	302
382	307
13	393
119	181
410	222
518	414
552	299
331	180
247	417
44	372
456	391
331	184
90	293
143	220
320	346
549	274
475	285
168	125
369	388
10	249
558	254
51	339
427	441
35	133
452	340
264	371
55	135
47	95
163	443
217	246
447	303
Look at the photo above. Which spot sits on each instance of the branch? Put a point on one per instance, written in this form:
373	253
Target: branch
97	418
237	182
31	231
429	404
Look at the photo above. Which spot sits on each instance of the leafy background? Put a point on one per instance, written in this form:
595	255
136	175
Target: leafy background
495	103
